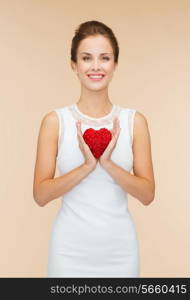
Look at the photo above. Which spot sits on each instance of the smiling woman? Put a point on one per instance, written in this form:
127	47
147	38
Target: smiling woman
96	144
94	59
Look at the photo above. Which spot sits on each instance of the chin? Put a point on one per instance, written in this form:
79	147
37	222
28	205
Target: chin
96	88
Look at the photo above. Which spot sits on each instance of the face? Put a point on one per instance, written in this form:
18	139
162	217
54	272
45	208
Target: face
95	56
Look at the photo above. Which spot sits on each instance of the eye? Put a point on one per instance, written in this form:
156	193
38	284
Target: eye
84	58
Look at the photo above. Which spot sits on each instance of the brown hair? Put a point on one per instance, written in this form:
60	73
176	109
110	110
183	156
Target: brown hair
92	28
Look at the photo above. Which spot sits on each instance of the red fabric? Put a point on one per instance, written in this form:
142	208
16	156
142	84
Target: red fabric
97	140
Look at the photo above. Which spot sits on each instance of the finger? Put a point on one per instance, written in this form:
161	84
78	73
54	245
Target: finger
115	137
77	125
78	134
118	133
115	125
79	128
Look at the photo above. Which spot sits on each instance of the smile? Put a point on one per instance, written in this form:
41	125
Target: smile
96	77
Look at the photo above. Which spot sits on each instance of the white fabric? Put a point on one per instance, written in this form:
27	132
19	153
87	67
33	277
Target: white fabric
93	234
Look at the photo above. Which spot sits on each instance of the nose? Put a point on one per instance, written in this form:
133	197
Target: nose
96	64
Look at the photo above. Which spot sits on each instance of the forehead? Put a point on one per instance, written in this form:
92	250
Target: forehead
95	44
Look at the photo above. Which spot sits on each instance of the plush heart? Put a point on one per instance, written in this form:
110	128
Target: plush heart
97	140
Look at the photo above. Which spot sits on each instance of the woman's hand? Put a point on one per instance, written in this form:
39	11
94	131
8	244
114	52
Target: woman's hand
90	160
105	157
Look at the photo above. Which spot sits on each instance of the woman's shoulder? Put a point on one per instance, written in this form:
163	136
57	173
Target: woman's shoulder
50	121
138	114
137	118
55	113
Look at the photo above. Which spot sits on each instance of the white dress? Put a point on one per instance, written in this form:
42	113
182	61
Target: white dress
93	234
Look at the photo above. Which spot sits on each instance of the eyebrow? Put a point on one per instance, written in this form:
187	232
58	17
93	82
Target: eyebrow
90	53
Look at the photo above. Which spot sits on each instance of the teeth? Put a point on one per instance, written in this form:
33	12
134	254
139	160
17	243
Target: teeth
96	76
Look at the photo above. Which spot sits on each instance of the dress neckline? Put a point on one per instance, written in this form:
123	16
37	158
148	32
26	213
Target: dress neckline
97	122
92	118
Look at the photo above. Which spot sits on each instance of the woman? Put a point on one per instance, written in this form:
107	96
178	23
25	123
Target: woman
93	234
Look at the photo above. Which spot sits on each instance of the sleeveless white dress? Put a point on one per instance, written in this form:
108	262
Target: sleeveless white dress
93	234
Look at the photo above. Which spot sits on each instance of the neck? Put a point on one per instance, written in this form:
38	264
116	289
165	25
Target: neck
95	102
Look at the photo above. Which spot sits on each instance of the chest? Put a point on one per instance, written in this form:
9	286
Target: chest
70	155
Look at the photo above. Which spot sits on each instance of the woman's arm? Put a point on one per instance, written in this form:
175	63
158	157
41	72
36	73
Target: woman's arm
50	189
141	185
45	187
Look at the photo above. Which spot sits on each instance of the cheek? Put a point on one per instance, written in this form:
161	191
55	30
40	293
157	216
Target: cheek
82	71
83	65
110	72
108	68
81	68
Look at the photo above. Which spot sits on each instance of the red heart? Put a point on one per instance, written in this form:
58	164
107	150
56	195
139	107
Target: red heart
97	140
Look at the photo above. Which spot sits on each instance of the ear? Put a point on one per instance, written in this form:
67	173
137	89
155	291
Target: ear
73	65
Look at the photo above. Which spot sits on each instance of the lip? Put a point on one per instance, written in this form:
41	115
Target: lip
96	79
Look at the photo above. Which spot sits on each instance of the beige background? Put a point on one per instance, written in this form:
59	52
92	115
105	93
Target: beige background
152	77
